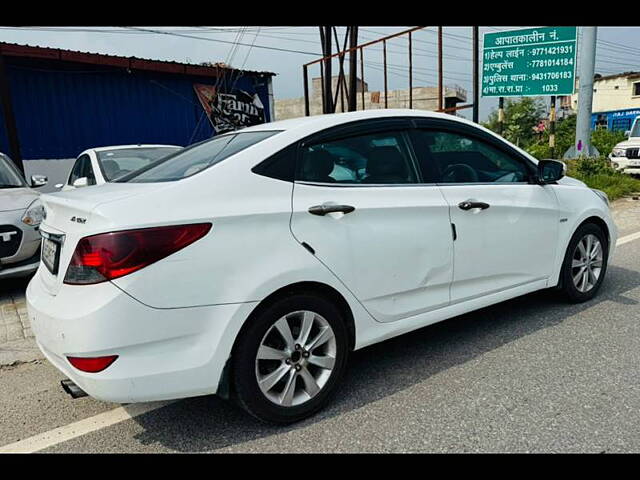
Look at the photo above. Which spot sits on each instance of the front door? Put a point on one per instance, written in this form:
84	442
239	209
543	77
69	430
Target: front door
506	226
358	202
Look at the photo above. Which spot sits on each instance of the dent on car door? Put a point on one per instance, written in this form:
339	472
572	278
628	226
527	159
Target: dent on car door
381	232
506	226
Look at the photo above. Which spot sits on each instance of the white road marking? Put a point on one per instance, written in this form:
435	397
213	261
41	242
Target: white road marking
627	238
120	414
82	427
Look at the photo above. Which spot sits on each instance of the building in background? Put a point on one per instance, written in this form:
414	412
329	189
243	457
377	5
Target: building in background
65	101
424	98
616	101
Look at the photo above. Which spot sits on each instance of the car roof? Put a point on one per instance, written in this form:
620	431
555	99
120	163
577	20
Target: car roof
326	120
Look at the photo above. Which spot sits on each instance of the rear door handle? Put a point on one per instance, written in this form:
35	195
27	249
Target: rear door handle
324	209
467	205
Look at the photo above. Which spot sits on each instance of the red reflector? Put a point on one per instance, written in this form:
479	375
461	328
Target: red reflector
92	364
111	255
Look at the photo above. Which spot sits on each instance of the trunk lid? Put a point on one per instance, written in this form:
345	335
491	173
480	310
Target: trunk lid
70	216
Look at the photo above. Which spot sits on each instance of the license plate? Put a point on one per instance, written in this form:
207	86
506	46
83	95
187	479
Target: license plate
50	255
634	163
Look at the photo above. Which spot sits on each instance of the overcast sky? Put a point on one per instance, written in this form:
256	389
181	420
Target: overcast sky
616	51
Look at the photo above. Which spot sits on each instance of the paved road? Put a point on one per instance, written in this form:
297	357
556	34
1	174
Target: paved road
534	374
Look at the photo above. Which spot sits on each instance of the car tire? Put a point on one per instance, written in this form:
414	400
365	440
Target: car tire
578	281
263	354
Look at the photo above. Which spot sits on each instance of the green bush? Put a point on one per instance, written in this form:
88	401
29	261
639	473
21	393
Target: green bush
598	173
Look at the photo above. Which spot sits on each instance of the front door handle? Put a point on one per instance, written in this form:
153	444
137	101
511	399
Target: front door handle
324	209
467	205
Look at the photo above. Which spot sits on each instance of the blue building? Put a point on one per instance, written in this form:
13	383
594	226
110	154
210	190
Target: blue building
57	103
618	120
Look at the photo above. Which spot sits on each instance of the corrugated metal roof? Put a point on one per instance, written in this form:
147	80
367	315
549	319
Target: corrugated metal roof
131	63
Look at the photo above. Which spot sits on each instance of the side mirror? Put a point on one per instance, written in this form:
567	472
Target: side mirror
38	181
550	171
627	133
81	182
59	185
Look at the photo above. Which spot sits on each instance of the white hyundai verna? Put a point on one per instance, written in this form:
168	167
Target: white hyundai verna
251	264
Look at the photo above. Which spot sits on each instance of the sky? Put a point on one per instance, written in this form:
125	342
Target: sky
615	52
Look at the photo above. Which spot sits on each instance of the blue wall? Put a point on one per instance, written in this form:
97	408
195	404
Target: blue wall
62	109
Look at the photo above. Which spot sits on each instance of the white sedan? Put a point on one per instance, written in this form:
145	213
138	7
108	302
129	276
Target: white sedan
250	265
96	166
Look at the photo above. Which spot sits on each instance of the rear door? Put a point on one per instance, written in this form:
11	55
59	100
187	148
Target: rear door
506	226
361	205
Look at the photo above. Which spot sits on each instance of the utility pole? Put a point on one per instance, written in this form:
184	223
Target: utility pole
476	97
325	37
440	86
583	146
353	69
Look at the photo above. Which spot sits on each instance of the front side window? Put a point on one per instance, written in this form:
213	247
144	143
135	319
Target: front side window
196	158
378	158
457	158
120	162
9	177
79	169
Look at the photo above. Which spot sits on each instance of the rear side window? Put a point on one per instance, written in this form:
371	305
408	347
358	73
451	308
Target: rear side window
280	166
377	158
196	158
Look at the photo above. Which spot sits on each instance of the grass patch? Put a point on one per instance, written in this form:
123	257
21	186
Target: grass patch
598	173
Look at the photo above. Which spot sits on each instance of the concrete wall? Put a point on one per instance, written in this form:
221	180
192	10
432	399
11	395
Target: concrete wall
57	170
424	98
611	94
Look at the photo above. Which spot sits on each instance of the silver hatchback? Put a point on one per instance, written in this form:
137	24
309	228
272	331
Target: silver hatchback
20	215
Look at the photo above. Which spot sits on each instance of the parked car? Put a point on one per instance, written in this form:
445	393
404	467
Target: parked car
96	166
626	155
20	215
245	266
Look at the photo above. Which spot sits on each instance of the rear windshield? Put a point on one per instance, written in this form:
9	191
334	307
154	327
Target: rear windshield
120	162
196	158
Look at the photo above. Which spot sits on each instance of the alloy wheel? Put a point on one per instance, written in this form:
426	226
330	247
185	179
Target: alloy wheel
295	358
586	265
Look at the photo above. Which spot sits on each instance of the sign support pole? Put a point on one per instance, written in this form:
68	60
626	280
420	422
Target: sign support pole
552	127
500	115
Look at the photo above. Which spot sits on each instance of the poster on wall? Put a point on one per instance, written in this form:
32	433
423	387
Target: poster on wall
227	111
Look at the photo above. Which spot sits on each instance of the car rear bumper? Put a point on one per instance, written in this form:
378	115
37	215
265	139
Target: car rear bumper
163	353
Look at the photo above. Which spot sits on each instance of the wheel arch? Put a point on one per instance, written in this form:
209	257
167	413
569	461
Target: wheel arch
600	223
316	288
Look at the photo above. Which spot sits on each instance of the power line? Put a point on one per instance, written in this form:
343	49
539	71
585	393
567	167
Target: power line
225	41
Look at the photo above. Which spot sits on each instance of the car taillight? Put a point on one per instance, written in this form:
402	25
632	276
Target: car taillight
92	364
111	255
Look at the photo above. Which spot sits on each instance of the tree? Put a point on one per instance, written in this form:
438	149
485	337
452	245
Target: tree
604	140
520	118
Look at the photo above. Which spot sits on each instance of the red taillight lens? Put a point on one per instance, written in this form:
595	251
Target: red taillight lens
92	364
111	255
